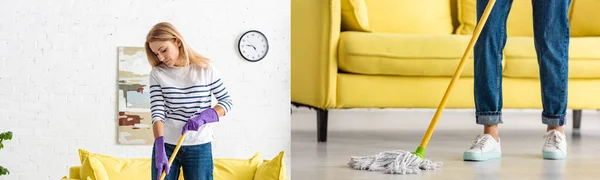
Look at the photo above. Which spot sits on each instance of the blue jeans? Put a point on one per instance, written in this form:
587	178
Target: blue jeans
551	37
196	162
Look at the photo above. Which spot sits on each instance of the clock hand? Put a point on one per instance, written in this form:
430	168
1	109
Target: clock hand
251	46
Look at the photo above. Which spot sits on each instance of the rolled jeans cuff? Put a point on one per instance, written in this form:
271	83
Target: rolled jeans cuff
489	118
553	120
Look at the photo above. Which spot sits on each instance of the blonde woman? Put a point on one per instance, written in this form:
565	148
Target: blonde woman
181	85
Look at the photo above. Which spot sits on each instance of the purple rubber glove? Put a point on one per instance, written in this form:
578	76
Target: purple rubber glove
161	160
207	116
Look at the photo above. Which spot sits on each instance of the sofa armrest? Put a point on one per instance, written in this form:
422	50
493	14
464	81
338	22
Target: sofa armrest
74	172
315	31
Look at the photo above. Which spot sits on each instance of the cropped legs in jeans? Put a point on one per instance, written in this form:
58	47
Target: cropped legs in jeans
196	162
551	37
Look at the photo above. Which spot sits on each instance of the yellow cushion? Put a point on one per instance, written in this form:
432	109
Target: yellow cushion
228	168
99	170
584	18
106	167
94	168
410	16
355	16
519	23
521	58
403	54
86	169
272	170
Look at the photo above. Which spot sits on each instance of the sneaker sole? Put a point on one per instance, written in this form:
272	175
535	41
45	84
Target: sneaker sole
554	155
481	157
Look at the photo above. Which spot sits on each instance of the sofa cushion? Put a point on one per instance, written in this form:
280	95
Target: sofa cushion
100	167
584	20
521	58
228	168
86	169
403	54
273	169
107	167
355	16
410	16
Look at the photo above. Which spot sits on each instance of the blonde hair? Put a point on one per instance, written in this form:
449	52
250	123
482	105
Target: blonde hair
165	31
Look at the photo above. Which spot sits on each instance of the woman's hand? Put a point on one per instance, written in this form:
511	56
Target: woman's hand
160	156
209	115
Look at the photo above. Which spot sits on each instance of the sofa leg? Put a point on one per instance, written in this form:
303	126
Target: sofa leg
576	118
321	125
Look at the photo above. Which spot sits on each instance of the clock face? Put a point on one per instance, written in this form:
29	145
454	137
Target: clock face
253	45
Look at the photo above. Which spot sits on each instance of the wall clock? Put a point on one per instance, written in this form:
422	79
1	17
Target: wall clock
253	45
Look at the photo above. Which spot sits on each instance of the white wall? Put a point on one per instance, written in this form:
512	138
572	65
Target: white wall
58	73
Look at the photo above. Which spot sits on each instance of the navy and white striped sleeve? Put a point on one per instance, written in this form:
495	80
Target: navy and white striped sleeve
219	90
157	104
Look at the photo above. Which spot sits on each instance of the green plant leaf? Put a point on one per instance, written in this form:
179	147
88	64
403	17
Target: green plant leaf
6	135
3	171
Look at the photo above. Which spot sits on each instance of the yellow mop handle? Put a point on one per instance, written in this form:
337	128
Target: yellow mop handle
442	105
164	172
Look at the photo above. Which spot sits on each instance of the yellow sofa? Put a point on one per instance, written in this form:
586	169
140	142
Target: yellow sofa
103	167
403	53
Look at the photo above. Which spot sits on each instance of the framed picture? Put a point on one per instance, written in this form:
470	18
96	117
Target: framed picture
134	123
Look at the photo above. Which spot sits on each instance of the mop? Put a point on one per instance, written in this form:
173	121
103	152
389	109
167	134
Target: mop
164	172
405	162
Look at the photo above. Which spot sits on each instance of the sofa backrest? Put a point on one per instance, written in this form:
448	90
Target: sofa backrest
410	16
519	22
456	16
584	18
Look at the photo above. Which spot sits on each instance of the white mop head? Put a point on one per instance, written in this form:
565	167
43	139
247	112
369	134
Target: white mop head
393	162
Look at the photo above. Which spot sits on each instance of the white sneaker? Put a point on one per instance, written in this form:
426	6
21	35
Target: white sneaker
555	145
484	147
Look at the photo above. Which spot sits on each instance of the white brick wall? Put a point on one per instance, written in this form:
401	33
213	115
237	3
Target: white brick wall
58	73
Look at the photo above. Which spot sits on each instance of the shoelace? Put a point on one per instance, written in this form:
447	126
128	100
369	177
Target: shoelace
480	142
552	140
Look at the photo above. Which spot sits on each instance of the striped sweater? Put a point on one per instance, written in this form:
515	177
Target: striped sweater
179	93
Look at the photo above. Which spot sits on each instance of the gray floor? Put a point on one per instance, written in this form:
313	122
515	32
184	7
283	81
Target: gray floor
359	132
